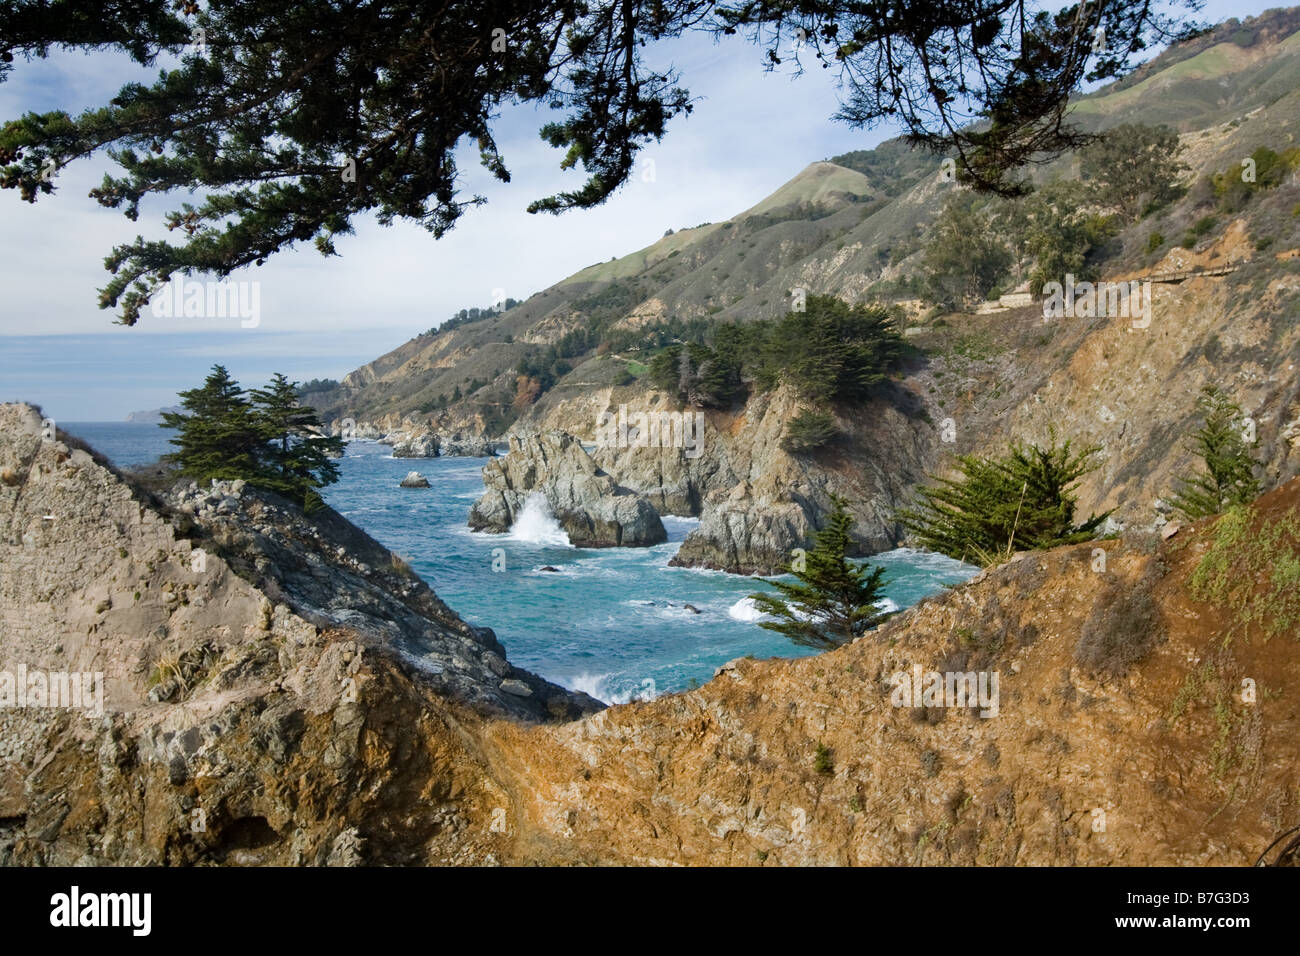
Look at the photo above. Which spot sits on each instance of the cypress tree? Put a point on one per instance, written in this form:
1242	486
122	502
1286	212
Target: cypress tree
295	458
1229	475
1019	500
834	599
271	440
217	435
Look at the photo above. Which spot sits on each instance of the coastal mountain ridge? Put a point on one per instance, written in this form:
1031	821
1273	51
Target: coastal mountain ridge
856	228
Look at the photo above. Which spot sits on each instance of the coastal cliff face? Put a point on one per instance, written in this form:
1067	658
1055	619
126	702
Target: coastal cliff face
257	687
757	502
295	697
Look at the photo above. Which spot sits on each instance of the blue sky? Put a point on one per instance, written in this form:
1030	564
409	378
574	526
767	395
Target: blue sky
750	132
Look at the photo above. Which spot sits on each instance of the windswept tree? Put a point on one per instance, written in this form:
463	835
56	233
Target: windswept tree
997	505
696	374
829	351
834	599
291	118
216	436
296	456
269	440
809	430
1228	477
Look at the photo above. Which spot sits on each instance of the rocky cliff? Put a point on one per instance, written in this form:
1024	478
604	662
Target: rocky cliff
254	682
590	507
757	502
296	696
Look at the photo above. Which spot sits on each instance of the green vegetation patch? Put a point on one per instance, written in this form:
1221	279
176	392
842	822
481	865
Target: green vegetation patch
1252	570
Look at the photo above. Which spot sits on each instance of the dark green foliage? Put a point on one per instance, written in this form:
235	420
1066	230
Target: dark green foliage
833	600
1133	166
829	352
270	441
543	365
318	385
1229	475
657	335
809	430
1020	500
467	316
294	458
964	257
216	436
697	375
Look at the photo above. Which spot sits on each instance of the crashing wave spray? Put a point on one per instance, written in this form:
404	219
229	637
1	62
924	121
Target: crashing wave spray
536	525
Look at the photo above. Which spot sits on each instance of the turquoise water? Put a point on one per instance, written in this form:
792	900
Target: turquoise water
611	622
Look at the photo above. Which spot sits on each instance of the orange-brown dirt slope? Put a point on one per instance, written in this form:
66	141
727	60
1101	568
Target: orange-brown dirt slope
1137	724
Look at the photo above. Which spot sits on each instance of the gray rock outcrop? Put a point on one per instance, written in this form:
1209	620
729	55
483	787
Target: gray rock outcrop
757	502
427	444
466	446
414	479
592	509
421	445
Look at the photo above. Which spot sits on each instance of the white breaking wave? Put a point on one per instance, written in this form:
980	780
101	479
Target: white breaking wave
591	684
597	686
536	524
745	610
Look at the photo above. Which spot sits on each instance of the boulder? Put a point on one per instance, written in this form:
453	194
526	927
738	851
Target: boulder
746	534
592	509
414	479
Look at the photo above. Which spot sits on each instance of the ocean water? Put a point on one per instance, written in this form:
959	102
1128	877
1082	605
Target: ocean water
612	622
123	443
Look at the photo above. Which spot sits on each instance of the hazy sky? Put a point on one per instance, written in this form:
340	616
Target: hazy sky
750	132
